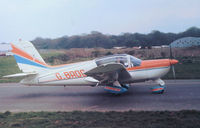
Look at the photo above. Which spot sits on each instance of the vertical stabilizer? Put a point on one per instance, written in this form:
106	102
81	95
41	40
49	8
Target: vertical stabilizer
27	57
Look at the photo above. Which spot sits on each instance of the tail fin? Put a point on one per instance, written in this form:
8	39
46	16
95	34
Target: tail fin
27	57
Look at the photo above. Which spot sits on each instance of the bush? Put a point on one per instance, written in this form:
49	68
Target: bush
109	53
7	113
131	52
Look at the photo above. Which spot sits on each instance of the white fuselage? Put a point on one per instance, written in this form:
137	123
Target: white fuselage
73	74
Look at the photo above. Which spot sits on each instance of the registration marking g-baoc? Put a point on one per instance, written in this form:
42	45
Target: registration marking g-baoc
70	75
66	75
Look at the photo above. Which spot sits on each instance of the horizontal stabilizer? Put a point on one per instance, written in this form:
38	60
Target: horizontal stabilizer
20	74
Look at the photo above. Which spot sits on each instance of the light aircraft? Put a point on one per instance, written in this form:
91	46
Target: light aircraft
114	72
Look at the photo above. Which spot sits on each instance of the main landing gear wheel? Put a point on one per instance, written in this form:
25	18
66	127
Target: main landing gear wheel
159	89
115	88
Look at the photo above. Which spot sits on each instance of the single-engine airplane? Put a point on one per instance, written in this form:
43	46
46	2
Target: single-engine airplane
113	72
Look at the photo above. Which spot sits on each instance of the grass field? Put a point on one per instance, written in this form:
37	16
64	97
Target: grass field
8	66
77	119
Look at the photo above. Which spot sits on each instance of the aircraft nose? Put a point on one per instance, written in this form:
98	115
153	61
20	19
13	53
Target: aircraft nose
173	61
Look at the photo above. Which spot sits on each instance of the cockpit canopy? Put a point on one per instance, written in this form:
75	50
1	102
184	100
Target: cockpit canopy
126	60
135	61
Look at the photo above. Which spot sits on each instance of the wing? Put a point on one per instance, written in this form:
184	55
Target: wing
109	72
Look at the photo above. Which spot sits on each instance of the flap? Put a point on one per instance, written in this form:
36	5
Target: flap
106	72
105	68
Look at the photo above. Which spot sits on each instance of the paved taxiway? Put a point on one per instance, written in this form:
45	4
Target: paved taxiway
179	95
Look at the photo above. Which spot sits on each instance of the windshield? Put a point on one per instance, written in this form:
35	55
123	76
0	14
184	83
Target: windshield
135	61
113	59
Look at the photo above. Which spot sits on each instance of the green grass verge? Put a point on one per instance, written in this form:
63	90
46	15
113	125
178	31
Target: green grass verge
77	119
8	66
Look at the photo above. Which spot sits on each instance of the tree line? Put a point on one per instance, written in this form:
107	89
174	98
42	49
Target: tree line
96	39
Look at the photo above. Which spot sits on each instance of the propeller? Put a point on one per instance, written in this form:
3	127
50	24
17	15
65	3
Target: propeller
173	70
172	61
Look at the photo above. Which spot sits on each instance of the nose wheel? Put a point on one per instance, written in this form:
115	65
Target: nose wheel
160	88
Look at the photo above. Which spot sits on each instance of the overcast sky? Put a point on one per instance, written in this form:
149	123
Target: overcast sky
28	19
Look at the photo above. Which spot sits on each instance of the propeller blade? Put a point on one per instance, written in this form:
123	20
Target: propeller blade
172	61
170	49
173	70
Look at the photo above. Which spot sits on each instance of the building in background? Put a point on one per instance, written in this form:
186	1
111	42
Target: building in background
186	42
5	49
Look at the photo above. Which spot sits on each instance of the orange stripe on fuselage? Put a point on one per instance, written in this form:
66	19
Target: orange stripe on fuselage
62	65
148	64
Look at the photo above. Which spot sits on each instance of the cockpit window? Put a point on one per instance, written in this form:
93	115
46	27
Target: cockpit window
135	61
119	58
113	59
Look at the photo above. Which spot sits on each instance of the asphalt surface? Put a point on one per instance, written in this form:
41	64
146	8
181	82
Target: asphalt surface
179	95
